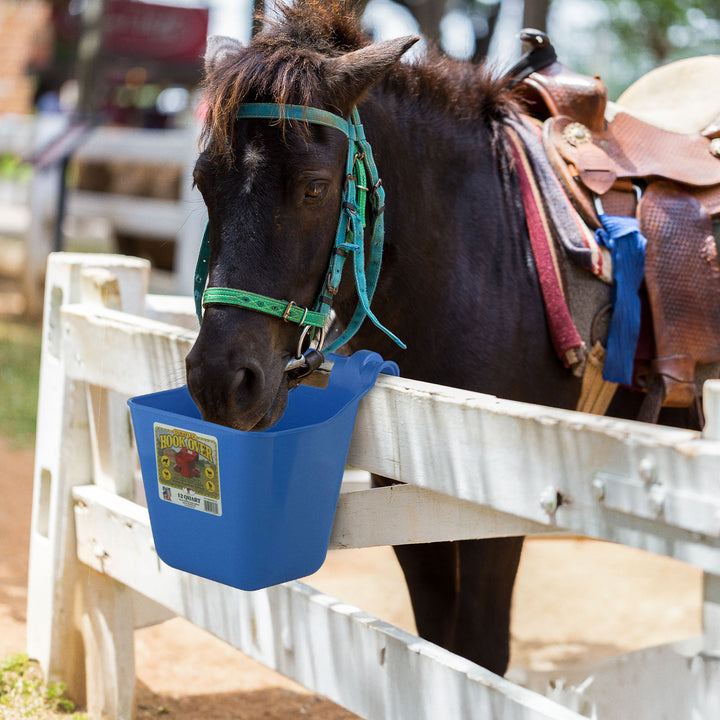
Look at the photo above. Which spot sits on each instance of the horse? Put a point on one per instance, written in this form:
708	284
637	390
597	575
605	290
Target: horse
458	283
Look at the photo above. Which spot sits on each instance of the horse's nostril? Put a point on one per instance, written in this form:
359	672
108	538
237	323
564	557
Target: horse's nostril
230	388
244	386
240	377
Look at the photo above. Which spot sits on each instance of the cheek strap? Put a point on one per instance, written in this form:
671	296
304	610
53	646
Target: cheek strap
361	180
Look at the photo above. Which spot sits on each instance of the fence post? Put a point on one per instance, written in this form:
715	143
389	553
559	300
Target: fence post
709	672
44	193
64	459
105	608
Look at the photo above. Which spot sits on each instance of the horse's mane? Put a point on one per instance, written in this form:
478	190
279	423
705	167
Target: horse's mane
283	63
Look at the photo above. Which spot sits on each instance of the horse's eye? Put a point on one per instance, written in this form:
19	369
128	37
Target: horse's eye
315	190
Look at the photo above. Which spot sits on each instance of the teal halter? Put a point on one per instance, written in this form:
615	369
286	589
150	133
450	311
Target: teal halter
349	238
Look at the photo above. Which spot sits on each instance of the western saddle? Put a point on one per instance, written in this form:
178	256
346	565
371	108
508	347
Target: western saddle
654	154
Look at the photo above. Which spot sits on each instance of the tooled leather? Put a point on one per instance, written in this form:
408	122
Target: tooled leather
569	93
682	274
620	202
630	148
578	191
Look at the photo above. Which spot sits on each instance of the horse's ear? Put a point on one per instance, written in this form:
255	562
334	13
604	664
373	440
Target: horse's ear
217	49
355	72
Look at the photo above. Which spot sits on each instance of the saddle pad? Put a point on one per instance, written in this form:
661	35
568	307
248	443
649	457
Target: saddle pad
682	274
630	148
569	225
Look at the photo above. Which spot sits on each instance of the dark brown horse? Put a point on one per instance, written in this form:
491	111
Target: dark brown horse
458	283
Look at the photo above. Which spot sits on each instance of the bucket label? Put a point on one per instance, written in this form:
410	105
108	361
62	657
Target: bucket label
188	468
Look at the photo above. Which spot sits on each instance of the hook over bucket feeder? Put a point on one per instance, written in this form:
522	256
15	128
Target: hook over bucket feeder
250	509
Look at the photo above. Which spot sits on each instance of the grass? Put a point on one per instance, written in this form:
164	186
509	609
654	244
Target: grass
19	374
13	168
25	694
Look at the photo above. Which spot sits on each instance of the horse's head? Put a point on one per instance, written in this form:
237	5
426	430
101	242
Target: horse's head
273	189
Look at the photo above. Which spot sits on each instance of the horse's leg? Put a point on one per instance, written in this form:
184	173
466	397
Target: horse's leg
461	593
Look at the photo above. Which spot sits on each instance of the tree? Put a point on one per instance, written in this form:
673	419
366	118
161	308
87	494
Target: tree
668	29
482	13
428	14
535	14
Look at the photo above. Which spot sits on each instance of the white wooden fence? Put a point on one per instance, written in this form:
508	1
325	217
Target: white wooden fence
476	466
30	209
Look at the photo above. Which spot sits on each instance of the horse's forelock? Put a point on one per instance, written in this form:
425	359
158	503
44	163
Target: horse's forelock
331	27
282	65
294	80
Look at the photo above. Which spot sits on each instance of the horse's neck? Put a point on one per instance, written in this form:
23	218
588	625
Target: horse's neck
450	218
419	141
458	283
437	167
449	194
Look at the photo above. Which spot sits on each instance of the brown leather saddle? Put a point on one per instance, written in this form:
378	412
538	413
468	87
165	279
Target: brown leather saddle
670	180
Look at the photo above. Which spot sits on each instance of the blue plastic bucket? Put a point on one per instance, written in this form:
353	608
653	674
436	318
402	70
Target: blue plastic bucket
250	509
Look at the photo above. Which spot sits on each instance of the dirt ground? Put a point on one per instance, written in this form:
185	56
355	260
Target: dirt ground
575	600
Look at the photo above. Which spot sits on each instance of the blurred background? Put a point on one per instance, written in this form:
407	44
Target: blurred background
132	59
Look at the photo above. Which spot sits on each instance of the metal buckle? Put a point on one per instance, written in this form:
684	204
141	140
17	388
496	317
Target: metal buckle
288	310
299	361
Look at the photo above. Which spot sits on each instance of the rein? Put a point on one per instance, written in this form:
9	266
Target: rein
361	179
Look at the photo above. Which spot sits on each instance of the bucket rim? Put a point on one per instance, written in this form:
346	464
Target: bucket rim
385	367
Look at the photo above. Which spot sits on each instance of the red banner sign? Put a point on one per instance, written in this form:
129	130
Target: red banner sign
155	32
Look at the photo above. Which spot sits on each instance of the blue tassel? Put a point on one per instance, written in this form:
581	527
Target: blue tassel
622	236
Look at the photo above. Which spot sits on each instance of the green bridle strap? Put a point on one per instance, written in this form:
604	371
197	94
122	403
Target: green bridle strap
271	111
365	278
349	239
284	309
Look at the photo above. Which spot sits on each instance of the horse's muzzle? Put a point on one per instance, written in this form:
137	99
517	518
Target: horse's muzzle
233	391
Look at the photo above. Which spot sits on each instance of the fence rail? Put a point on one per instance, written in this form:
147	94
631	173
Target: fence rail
29	209
476	466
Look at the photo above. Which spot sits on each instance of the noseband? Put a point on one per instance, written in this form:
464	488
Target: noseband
361	178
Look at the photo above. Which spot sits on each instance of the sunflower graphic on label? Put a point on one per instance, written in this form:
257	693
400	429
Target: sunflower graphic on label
187	468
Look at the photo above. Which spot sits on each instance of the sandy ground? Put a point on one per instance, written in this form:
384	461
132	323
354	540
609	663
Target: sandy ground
575	600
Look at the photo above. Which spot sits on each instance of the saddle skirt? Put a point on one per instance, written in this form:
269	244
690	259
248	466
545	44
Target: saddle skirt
602	151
